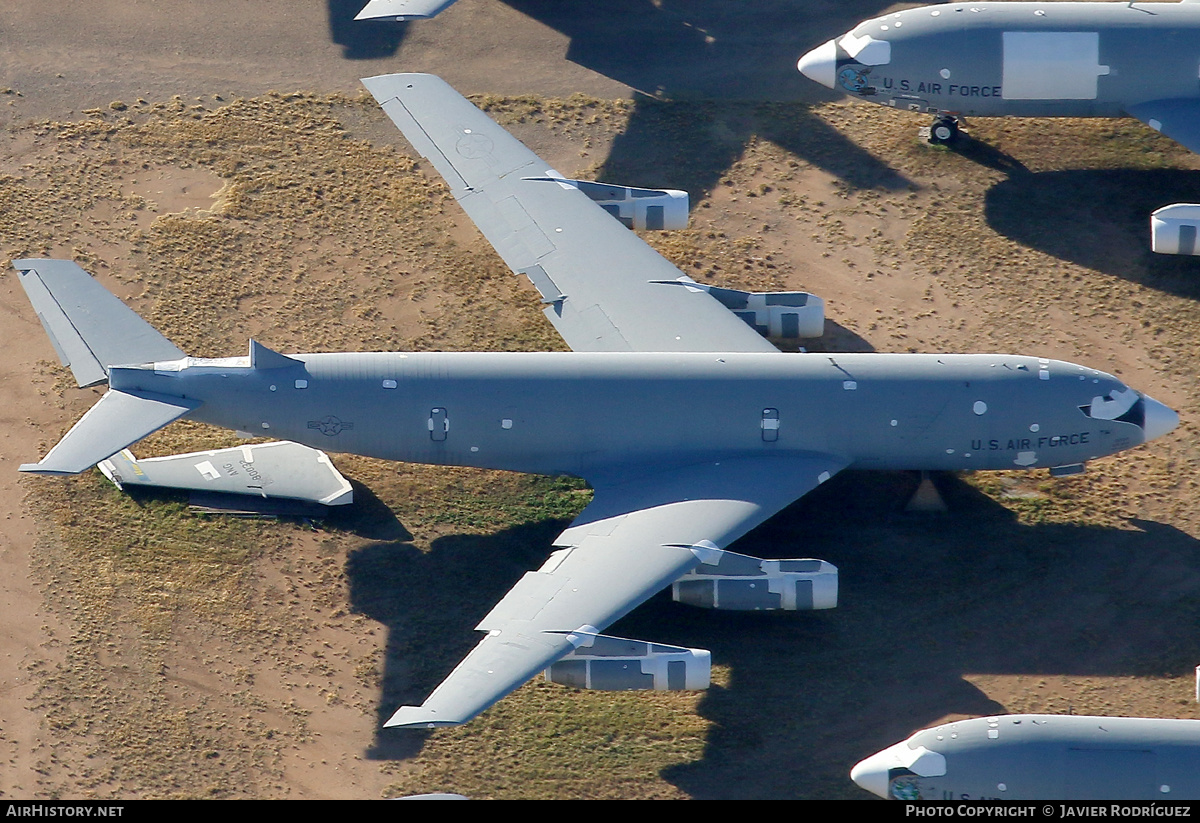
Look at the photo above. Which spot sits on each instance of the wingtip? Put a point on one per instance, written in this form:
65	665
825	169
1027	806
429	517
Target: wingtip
381	82
36	468
401	11
417	717
384	17
24	264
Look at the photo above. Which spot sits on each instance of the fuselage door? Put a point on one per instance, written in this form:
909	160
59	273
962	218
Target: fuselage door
770	425
439	424
1051	65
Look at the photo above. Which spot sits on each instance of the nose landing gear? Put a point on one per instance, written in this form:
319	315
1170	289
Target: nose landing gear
944	130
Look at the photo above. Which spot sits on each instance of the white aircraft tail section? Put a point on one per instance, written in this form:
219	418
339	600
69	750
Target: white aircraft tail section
92	331
90	328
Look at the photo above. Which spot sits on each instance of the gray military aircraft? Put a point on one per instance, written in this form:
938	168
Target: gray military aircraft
1025	60
1040	757
690	426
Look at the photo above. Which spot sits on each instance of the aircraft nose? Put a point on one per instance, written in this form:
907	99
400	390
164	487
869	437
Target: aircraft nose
1160	419
820	64
872	774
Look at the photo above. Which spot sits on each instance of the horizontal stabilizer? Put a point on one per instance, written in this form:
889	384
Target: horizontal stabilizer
277	470
243	505
90	328
120	418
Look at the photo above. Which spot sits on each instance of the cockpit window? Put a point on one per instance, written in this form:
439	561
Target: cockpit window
1123	406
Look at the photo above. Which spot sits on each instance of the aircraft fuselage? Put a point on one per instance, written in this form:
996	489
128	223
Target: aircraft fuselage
1018	59
584	413
1041	757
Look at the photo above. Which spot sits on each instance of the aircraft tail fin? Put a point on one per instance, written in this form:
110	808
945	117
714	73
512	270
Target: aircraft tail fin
119	419
90	328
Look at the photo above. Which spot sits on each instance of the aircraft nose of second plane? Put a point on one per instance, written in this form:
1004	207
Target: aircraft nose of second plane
872	774
1160	419
820	64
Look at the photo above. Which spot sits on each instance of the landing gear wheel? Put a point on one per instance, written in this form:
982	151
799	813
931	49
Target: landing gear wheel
944	131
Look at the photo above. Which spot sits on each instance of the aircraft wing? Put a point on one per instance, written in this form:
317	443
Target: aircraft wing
596	277
1178	119
642	531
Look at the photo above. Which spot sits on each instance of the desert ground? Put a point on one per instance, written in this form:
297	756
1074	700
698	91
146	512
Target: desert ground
218	166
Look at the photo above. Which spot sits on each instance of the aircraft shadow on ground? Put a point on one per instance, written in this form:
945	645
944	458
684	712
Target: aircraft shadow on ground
987	155
430	604
837	338
362	39
926	601
369	518
1098	218
710	49
697	65
690	145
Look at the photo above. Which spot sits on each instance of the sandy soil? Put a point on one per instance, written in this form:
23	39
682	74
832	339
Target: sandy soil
1029	596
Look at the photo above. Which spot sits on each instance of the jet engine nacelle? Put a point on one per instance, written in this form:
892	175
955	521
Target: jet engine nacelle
646	209
744	583
789	315
616	664
786	314
1173	229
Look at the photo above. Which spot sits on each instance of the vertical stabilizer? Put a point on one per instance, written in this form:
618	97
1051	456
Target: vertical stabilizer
263	358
